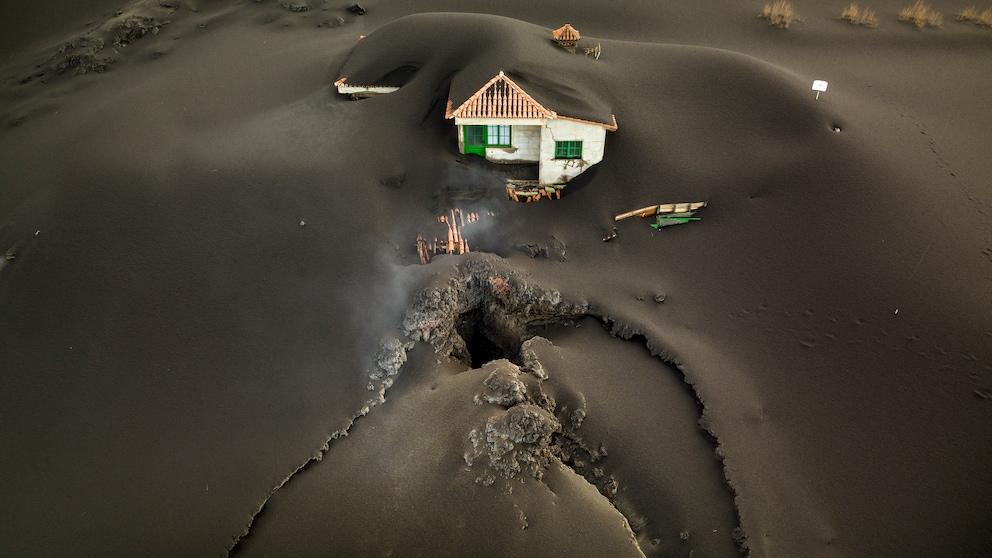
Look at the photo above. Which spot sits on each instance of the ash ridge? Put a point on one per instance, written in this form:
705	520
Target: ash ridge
89	53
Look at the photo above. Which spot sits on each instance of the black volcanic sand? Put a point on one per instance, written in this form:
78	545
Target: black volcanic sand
398	485
210	245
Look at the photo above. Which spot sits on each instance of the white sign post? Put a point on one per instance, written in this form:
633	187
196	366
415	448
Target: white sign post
819	85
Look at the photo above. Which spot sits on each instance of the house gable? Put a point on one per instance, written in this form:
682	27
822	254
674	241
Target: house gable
566	35
500	98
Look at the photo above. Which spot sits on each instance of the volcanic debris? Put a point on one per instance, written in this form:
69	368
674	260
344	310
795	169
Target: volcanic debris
503	386
89	52
132	28
296	6
516	440
80	54
556	248
485	308
483	315
390	357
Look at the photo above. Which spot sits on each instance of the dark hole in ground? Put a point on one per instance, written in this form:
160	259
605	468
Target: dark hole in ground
480	343
398	77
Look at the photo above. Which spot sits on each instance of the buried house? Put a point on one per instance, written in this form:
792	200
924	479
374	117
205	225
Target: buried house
504	124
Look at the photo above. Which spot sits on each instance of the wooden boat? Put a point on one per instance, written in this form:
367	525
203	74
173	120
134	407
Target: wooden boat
669	209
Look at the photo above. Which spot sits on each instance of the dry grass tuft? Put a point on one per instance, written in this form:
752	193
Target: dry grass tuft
968	14
857	16
972	15
920	15
780	13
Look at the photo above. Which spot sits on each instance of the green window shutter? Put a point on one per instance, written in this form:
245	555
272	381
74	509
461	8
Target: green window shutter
568	150
498	136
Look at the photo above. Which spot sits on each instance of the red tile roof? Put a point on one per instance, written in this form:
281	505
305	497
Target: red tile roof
566	34
500	98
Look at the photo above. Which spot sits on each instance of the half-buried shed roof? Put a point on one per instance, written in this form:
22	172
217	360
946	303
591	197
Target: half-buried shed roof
566	34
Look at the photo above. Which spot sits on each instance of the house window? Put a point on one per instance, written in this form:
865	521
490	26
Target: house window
568	150
475	135
478	138
497	136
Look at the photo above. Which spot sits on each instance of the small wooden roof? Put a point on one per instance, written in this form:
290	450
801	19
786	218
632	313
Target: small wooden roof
500	98
566	33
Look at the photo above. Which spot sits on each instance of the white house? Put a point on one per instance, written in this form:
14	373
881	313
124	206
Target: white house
504	124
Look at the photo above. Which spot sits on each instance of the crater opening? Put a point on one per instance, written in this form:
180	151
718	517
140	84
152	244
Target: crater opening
398	77
481	345
484	312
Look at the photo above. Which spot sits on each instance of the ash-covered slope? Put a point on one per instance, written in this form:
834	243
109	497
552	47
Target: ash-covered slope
791	317
188	325
224	242
543	440
472	49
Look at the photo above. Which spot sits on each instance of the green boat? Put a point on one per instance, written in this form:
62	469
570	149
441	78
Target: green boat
666	214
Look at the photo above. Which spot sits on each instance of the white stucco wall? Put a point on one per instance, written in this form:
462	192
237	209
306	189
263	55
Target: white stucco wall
533	140
526	146
525	138
558	171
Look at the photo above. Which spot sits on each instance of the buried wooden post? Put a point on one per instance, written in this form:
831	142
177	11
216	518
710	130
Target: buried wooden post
425	256
456	243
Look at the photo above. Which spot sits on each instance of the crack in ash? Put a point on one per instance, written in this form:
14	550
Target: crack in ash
389	359
705	422
489	300
483	314
486	305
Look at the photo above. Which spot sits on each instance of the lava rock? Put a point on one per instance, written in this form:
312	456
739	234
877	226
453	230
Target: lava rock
297	6
503	386
132	28
516	441
390	357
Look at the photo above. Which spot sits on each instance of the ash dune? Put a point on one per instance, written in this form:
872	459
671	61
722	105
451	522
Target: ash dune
476	47
224	257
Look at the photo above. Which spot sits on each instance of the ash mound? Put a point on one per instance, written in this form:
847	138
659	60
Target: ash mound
475	48
504	385
516	441
738	106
